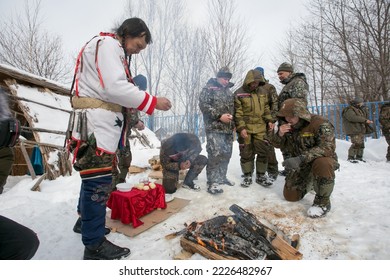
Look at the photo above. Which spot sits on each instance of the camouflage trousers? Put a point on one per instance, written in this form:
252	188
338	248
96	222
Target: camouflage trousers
171	177
121	169
356	149
251	148
319	176
272	167
219	151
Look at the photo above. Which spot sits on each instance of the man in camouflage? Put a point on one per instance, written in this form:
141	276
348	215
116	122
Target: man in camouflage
295	86
355	121
384	120
180	152
216	101
272	166
310	141
251	116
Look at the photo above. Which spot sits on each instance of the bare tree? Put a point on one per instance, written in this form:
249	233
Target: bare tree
226	40
345	48
26	46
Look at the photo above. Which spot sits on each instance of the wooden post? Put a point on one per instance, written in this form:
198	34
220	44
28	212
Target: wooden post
27	159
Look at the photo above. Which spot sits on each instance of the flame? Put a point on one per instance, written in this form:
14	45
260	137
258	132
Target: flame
200	241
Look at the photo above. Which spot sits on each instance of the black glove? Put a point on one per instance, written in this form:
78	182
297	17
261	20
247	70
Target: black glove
292	163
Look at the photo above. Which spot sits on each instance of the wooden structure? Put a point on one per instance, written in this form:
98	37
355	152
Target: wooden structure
42	106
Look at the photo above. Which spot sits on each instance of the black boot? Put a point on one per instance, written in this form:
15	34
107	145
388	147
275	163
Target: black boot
105	251
77	227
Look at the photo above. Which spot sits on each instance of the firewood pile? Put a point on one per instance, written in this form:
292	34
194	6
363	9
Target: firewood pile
239	236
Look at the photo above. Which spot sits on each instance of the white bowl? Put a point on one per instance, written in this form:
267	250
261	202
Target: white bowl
124	187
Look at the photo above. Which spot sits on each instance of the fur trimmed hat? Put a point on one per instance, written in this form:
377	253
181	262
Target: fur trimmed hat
285	67
224	72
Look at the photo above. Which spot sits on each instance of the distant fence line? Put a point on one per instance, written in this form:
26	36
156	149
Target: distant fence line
169	125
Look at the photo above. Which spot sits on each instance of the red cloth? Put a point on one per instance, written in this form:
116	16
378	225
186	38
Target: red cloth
129	206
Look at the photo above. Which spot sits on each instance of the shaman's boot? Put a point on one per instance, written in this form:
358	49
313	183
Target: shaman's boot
105	251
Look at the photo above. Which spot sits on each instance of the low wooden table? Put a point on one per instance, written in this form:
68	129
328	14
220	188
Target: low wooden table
129	206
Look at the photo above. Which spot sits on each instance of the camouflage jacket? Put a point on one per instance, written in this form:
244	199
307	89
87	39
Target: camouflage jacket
131	117
384	118
179	148
313	137
272	99
252	111
295	87
354	120
214	101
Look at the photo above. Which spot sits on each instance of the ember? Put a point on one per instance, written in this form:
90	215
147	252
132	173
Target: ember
239	236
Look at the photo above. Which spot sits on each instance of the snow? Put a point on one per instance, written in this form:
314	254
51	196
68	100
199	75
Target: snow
355	229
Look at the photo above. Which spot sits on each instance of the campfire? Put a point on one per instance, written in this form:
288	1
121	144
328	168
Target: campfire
239	236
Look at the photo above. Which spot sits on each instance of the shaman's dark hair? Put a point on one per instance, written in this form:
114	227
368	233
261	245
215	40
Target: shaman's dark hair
134	27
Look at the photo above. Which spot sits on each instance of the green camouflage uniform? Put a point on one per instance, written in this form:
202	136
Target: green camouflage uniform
177	149
354	124
313	139
252	113
214	101
295	87
384	120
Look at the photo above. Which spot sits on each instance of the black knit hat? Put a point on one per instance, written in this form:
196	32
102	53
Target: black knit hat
224	72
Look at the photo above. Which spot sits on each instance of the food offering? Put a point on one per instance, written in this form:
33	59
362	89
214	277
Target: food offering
145	186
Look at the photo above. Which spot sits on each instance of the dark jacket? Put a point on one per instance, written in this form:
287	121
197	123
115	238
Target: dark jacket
354	120
214	101
384	118
179	148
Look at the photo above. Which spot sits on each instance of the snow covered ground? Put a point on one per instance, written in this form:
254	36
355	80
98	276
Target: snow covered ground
356	228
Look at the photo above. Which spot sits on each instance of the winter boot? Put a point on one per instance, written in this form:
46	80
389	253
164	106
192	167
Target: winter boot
214	188
272	176
318	211
352	160
105	251
227	182
77	227
246	181
263	180
191	186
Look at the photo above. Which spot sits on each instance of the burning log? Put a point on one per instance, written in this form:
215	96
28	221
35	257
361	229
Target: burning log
282	249
239	236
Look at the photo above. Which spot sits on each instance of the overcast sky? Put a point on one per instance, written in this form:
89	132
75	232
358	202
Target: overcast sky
76	21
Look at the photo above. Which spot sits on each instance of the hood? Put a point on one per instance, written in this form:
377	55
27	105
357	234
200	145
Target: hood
251	76
294	107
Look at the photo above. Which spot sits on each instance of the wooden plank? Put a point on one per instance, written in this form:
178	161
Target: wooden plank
27	159
38	182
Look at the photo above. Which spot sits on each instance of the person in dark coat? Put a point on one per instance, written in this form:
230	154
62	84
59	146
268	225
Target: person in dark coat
384	120
216	101
180	152
355	121
17	242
